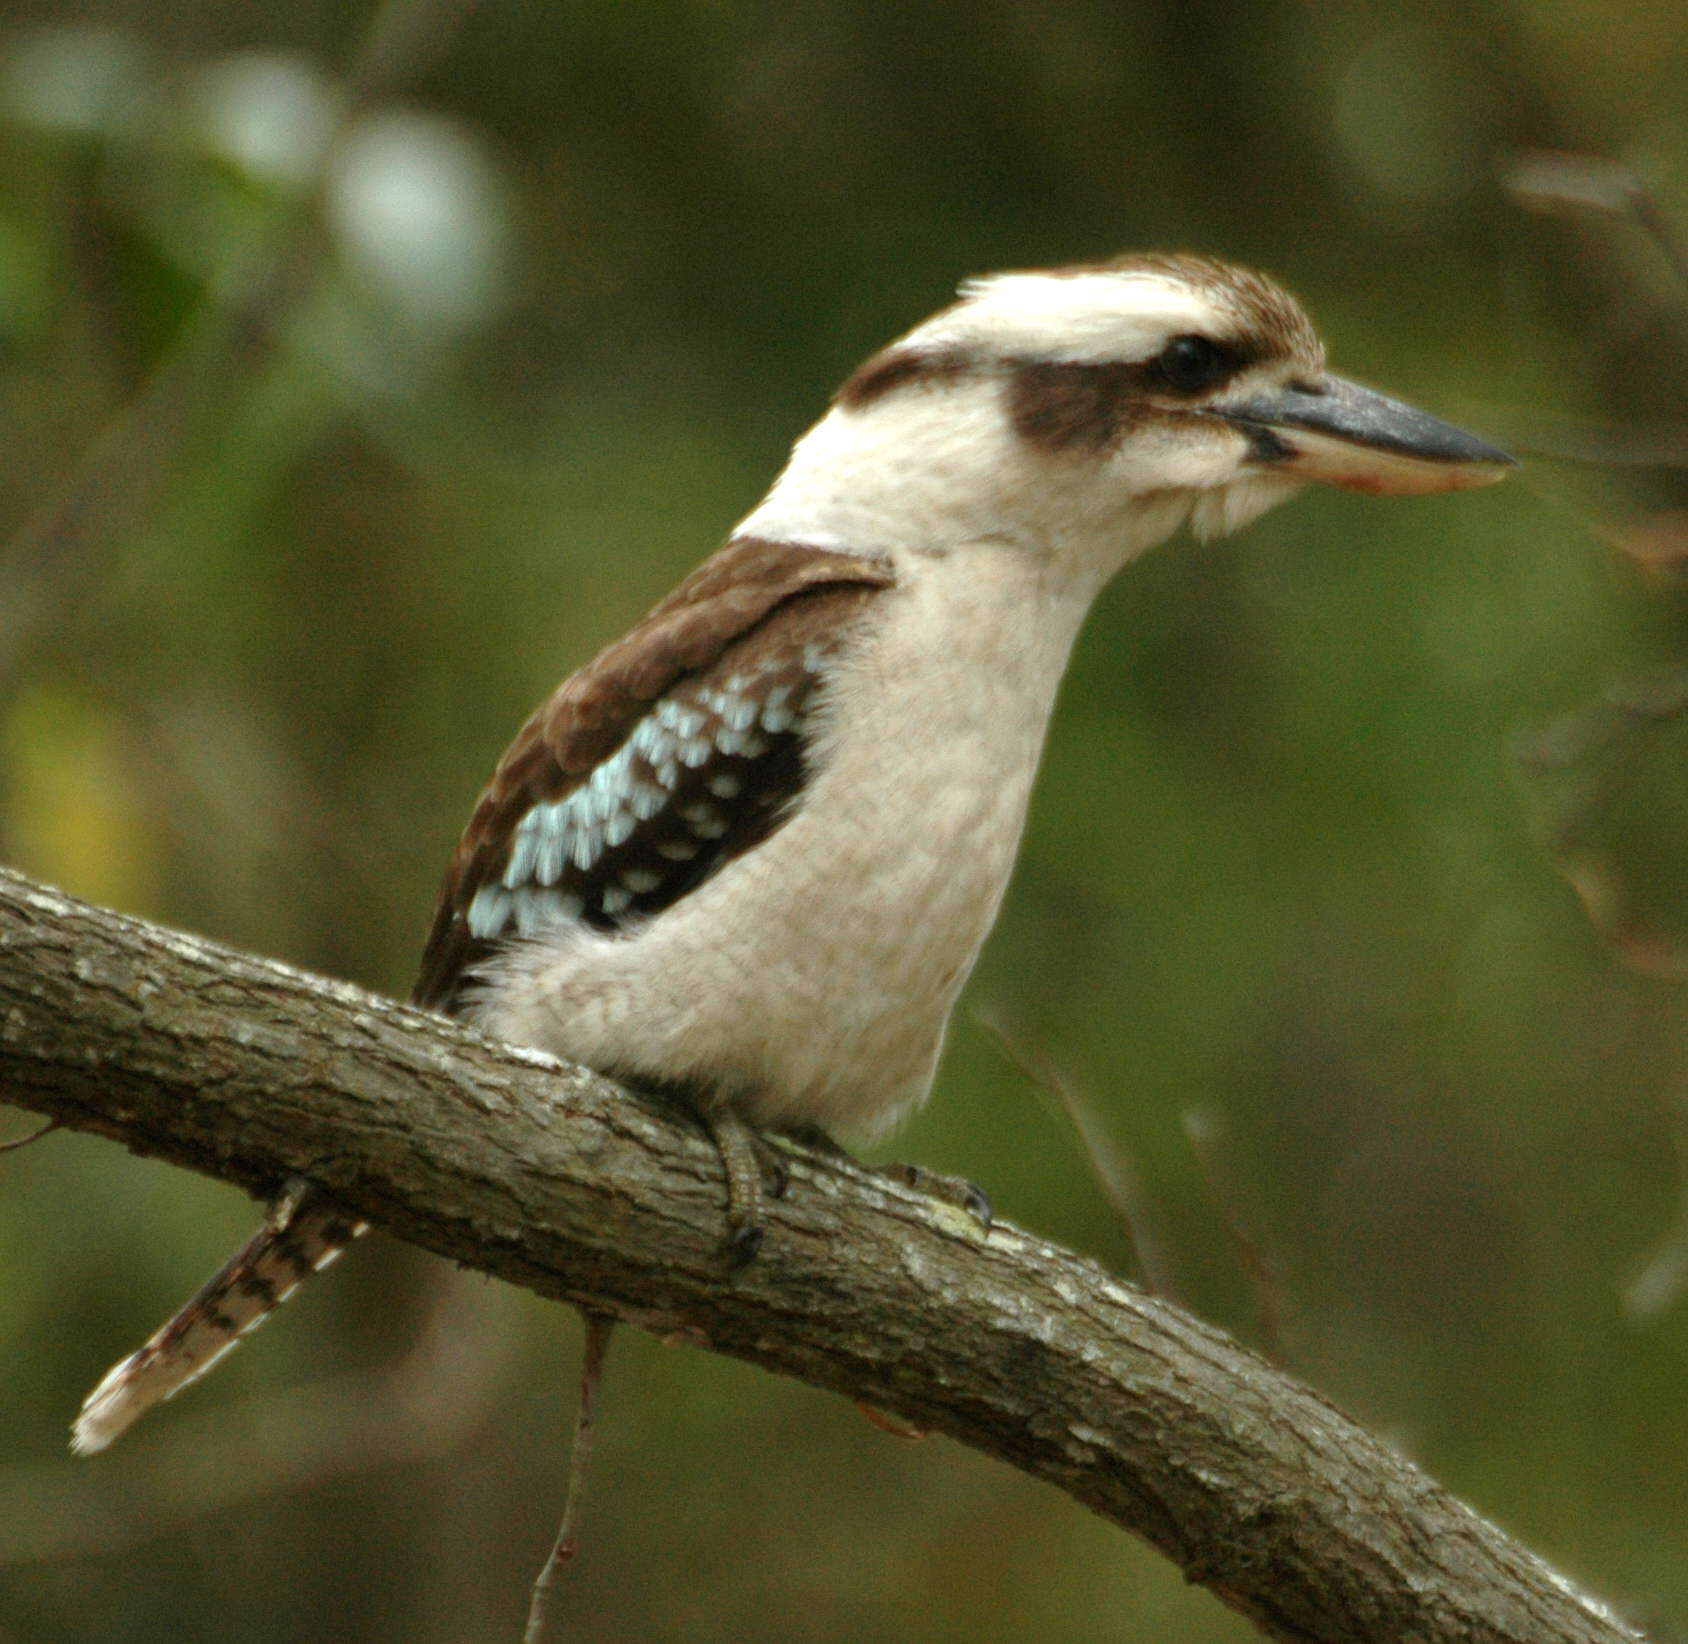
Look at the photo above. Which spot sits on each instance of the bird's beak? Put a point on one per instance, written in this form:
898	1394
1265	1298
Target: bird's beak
1339	433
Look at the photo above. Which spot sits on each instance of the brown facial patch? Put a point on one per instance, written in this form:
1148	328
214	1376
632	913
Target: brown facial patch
1067	407
899	367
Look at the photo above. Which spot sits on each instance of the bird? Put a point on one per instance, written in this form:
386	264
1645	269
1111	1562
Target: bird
746	856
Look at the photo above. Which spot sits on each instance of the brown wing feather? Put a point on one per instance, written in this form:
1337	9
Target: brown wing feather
753	605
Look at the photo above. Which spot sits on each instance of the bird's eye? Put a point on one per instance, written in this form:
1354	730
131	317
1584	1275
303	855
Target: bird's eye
1190	363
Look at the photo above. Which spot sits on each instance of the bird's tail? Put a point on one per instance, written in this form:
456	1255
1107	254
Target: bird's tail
302	1235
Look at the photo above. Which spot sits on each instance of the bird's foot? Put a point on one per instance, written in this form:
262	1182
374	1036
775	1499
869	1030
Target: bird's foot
951	1190
755	1173
957	1191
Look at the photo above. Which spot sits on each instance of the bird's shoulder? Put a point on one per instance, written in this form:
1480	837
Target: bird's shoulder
680	746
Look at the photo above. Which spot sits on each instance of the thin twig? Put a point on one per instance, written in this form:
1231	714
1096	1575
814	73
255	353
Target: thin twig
1112	1168
34	1136
599	1327
1202	1127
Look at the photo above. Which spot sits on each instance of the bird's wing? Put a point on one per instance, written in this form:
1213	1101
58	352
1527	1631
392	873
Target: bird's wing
678	748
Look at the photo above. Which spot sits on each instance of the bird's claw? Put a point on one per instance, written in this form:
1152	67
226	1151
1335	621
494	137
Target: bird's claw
951	1190
744	1241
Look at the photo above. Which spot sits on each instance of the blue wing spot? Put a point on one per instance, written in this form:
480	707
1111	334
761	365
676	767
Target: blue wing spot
642	828
489	912
777	713
587	845
531	908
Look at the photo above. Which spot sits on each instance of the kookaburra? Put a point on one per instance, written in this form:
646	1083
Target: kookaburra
748	854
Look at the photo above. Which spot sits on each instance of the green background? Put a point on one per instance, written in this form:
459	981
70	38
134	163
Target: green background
1289	926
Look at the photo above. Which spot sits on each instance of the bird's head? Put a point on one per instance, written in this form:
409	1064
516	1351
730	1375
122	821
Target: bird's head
1115	400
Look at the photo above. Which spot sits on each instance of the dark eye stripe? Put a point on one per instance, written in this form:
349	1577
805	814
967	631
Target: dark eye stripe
1088	406
1071	407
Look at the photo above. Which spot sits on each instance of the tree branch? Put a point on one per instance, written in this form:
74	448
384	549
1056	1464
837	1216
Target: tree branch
553	1178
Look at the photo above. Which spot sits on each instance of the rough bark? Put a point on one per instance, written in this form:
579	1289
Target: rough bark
553	1178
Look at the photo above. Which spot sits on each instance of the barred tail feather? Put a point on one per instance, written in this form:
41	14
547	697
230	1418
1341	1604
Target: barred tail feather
284	1252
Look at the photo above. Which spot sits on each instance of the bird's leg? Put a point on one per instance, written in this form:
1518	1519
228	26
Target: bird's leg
756	1172
753	1168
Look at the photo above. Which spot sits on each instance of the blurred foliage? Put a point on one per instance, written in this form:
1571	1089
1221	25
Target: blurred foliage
362	373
